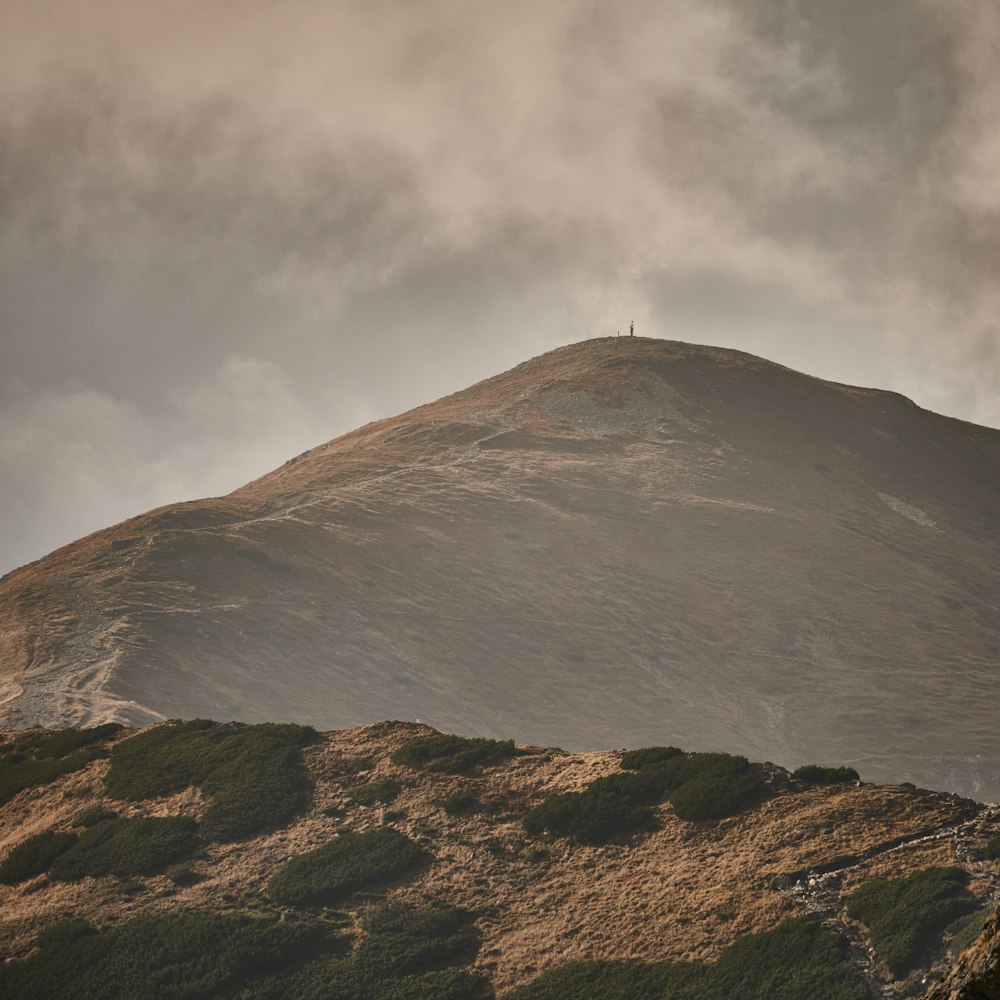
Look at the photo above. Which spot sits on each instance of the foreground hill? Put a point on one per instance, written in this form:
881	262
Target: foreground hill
340	864
618	542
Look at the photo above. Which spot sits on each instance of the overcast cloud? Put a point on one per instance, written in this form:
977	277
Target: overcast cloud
230	231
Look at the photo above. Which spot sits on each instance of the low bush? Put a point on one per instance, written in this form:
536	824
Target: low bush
816	774
905	916
795	960
967	929
49	745
254	774
633	760
183	875
611	980
34	856
459	804
143	845
403	940
93	816
718	791
608	807
350	862
376	792
177	955
451	754
701	786
340	979
407	953
20	770
992	851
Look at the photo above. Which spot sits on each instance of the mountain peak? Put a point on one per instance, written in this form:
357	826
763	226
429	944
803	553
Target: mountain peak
621	540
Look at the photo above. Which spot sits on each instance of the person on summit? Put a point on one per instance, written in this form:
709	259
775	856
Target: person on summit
631	329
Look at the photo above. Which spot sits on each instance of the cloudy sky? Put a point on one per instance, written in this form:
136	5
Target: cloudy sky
233	229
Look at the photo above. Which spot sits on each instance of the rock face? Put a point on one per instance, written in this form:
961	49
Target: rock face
620	542
976	976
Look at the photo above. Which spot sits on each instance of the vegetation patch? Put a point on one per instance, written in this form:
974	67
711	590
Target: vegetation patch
449	754
350	862
905	916
964	931
459	804
178	955
407	953
46	745
92	816
376	792
143	845
816	774
992	851
34	856
254	774
795	960
403	940
700	786
611	980
39	758
633	760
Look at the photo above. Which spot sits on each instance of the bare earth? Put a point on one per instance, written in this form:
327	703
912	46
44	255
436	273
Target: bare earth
620	542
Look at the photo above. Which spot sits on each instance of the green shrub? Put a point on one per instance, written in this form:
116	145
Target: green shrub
92	816
403	940
905	916
797	959
618	979
376	792
407	953
48	745
340	979
255	773
459	804
346	864
701	786
451	754
142	845
816	774
183	875
18	772
992	851
34	856
177	955
967	929
608	807
633	760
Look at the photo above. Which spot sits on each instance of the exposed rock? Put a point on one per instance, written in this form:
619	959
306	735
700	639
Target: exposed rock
976	975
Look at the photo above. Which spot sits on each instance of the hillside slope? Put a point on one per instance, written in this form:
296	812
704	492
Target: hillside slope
675	890
620	542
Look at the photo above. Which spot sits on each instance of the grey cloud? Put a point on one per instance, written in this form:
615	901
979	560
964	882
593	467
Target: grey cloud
384	202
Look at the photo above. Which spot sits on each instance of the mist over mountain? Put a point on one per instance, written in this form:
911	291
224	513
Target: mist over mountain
624	541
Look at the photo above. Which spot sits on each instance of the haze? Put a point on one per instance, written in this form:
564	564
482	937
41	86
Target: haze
229	232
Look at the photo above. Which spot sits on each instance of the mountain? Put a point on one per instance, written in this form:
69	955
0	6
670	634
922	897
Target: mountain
261	862
621	542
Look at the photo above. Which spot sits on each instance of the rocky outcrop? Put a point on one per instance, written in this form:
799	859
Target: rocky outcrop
976	975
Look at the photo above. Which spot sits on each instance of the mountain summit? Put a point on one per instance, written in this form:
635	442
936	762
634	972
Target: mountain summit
623	541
